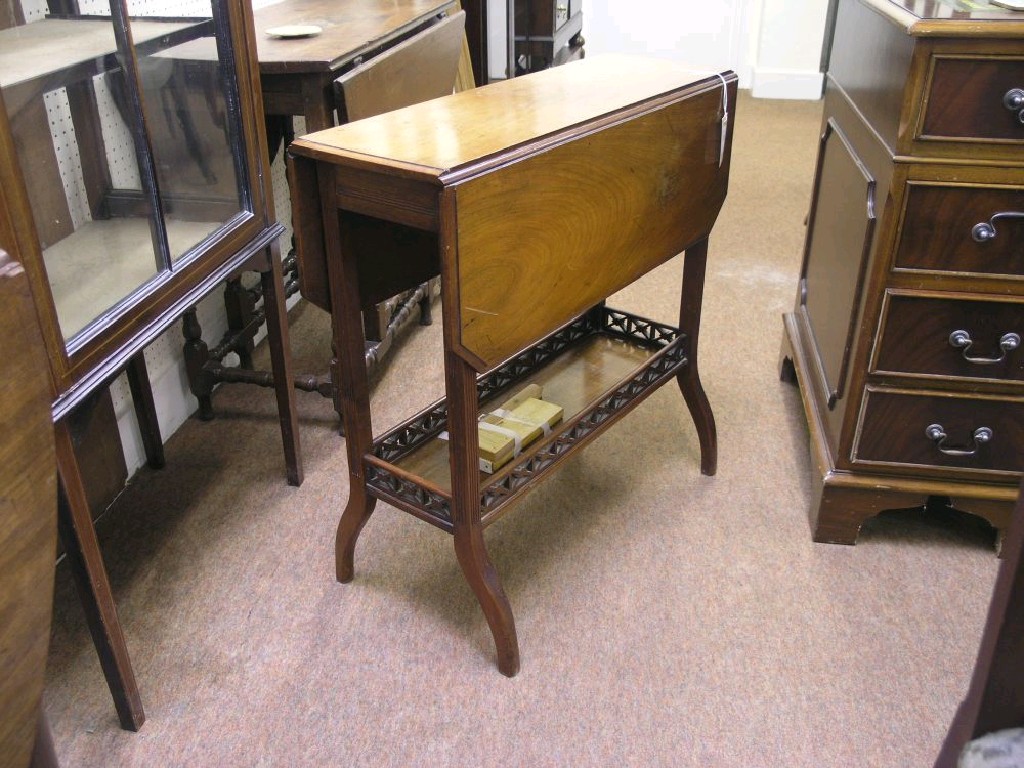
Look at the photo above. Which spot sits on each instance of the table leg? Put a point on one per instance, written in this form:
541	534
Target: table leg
460	385
318	98
348	370
86	563
197	354
694	267
145	410
276	314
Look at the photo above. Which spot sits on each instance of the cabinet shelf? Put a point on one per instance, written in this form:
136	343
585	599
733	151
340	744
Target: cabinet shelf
598	367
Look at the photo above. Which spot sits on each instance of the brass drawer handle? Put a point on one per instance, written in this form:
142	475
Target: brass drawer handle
962	340
984	231
937	434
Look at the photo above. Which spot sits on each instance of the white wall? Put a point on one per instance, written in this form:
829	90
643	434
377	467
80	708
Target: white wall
773	45
787	56
708	35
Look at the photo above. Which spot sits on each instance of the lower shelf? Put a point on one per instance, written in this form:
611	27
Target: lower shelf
597	368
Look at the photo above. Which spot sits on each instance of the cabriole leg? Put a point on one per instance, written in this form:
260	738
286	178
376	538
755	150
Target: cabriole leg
694	267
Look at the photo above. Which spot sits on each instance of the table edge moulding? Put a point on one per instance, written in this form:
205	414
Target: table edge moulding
612	165
909	380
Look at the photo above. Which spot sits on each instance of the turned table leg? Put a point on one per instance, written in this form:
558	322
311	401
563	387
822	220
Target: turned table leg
694	267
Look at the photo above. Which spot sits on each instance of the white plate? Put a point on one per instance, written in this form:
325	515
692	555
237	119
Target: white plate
295	30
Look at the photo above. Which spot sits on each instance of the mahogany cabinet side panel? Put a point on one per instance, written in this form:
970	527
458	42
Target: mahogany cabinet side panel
839	236
871	60
28	514
544	239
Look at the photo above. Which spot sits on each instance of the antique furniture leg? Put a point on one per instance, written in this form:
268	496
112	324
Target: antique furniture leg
276	312
145	410
468	530
197	354
86	564
240	307
353	388
203	367
841	511
694	266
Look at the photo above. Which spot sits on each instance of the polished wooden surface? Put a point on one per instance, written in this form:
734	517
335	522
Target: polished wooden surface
474	172
503	115
917	150
946	17
893	434
350	29
28	516
513	289
417	148
418	69
939	216
914	337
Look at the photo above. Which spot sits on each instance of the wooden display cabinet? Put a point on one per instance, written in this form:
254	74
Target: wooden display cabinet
532	214
905	337
135	181
547	33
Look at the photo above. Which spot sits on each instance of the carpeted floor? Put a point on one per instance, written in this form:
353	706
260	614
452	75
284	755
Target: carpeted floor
664	618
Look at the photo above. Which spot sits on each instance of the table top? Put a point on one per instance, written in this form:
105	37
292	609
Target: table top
570	184
54	45
350	28
467	127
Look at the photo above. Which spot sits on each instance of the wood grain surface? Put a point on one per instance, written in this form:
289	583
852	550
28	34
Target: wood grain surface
449	133
542	240
349	27
28	516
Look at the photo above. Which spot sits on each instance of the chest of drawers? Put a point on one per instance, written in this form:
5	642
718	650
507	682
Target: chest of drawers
907	330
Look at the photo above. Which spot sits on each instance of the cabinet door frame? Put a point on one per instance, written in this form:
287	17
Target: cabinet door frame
95	356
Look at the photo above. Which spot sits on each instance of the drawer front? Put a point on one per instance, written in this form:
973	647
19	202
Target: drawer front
946	338
967	99
905	429
968	229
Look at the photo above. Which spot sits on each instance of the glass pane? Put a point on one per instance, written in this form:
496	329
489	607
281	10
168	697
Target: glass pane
185	97
67	99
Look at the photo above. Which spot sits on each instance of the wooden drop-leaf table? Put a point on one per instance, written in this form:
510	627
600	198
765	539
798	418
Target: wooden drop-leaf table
534	199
